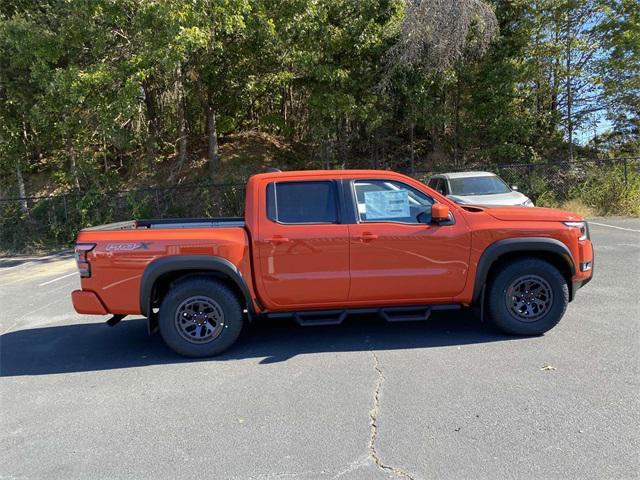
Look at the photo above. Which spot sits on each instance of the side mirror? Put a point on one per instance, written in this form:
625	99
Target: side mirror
439	212
514	188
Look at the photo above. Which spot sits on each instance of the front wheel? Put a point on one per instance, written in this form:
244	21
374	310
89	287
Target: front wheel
527	297
200	318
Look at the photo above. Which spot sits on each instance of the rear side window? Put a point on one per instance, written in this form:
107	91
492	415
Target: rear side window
302	202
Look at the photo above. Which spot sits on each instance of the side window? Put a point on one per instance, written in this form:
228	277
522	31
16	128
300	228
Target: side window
433	182
302	202
438	185
390	201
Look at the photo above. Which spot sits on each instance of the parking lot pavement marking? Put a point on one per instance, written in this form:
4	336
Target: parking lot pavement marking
56	279
614	226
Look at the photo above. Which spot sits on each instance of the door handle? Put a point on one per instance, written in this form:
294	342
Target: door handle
277	239
366	236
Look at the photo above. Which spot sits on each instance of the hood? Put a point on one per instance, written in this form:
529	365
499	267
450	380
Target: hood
538	214
509	198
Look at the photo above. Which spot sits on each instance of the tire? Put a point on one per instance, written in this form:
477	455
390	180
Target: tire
200	317
527	296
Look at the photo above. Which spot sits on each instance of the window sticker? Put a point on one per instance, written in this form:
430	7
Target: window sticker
387	204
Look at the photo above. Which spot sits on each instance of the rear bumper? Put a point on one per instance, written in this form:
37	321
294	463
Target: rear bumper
87	302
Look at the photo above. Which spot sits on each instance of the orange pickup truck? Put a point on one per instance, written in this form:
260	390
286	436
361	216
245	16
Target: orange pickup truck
318	245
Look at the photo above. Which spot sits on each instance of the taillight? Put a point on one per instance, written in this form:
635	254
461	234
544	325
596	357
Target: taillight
81	252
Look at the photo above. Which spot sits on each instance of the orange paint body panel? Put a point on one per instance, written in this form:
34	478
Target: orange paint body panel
344	264
87	302
121	256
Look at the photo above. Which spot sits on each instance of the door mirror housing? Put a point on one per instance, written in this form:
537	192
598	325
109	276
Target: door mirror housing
514	188
439	212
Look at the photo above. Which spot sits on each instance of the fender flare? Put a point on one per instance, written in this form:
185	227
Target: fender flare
510	245
199	263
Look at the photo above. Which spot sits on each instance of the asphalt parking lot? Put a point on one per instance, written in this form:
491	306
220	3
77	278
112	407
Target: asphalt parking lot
448	399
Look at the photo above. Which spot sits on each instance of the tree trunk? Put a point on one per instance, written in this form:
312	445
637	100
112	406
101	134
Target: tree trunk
569	78
456	139
555	84
412	158
22	191
73	167
104	155
283	104
212	149
181	119
290	101
150	102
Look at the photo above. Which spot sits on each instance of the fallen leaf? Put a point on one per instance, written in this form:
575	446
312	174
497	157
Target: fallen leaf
548	367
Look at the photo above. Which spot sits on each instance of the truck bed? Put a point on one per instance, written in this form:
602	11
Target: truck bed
168	223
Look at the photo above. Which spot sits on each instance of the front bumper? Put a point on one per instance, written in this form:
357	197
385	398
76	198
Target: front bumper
87	302
585	272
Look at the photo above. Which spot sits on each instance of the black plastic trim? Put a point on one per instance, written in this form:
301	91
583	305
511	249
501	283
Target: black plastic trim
510	245
576	285
349	211
165	265
389	313
149	222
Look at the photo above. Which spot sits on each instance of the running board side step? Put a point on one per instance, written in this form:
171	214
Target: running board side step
405	314
336	317
327	317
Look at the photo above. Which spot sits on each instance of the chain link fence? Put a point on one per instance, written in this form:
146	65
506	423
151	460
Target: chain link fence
55	220
552	184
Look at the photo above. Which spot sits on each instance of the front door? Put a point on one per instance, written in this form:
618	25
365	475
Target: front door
303	249
396	254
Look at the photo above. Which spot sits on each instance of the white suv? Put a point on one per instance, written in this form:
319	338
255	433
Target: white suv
478	188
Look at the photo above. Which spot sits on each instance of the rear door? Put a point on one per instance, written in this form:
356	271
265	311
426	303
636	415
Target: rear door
303	246
394	256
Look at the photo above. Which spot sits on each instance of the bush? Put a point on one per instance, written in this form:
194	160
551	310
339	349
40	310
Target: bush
596	190
607	193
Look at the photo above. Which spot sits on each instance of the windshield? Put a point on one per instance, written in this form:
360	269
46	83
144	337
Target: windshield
478	186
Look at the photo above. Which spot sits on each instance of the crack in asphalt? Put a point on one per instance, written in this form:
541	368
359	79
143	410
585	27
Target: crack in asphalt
373	416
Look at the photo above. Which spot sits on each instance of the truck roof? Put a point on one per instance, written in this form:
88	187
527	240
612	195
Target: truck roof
464	174
326	173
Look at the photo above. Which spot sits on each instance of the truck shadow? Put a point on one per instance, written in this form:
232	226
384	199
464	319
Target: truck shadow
15	261
95	346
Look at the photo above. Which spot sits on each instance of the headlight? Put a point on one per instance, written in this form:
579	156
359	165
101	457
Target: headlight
527	203
582	226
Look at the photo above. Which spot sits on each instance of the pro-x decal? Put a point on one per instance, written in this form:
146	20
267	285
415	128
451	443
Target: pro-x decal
127	247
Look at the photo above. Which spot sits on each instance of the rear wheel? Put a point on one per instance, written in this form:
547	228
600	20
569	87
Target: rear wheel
200	318
527	297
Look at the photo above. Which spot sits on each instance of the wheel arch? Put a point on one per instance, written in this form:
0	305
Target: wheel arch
496	254
161	273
